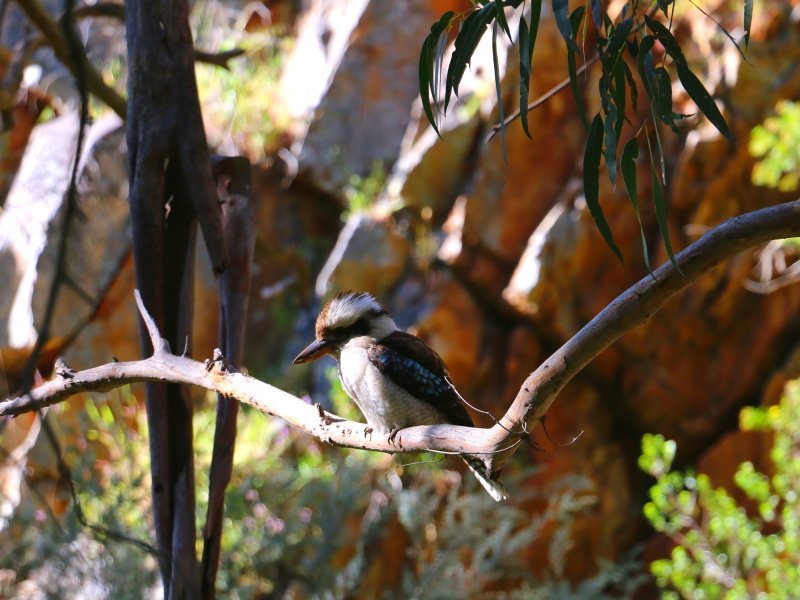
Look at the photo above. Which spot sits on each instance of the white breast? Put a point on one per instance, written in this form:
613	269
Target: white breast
385	405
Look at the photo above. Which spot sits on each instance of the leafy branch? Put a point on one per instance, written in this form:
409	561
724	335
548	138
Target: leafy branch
631	46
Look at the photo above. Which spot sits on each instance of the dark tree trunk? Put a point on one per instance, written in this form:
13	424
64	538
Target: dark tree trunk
233	183
171	186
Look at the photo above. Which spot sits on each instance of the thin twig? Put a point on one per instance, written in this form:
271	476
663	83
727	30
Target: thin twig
71	198
541	99
65	474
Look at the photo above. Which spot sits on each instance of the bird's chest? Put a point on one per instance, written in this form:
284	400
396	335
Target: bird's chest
385	404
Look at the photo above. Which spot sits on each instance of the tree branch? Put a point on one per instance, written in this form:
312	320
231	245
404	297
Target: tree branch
38	15
495	444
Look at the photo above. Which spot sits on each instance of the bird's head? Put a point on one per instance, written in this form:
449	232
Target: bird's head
344	317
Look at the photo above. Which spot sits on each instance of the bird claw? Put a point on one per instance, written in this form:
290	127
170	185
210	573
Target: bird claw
368	432
393	434
322	414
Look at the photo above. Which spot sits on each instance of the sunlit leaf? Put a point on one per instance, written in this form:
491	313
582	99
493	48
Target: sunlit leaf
591	181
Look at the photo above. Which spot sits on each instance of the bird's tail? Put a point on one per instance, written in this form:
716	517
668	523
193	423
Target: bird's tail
492	486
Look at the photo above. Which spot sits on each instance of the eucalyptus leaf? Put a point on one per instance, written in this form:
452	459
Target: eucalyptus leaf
498	90
697	92
572	68
703	99
561	14
527	42
748	21
661	214
591	181
663	99
627	164
501	18
472	29
425	80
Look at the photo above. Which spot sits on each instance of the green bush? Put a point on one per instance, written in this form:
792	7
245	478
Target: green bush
723	549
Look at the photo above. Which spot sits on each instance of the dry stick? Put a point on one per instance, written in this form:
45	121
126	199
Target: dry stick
37	13
537	393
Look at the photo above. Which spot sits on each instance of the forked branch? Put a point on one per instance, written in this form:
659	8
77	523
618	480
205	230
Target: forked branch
495	444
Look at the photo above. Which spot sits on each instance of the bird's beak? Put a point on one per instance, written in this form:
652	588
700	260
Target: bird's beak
315	350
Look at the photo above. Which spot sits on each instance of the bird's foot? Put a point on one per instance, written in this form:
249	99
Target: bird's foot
393	434
324	417
368	432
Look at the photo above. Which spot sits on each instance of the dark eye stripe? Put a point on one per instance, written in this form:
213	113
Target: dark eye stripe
360	327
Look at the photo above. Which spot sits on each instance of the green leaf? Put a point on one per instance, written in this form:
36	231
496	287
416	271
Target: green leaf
748	21
610	141
501	19
644	64
425	80
664	6
627	163
499	93
697	92
428	71
525	56
472	29
618	93
527	41
443	23
661	213
631	84
572	67
663	99
703	99
618	37
591	181
561	13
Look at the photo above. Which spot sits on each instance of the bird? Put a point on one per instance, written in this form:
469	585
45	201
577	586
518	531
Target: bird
394	377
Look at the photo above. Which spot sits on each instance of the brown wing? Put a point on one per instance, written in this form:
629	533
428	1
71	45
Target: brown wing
414	366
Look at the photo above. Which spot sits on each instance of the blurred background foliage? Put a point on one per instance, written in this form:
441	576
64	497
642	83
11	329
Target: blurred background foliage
495	264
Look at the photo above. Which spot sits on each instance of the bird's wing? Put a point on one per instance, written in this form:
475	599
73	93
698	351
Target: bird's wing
414	366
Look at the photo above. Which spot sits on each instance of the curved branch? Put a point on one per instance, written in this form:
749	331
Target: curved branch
535	397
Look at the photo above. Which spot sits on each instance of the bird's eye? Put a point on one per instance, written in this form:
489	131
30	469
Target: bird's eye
335	332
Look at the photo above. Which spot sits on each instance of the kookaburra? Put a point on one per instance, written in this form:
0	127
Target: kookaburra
395	378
